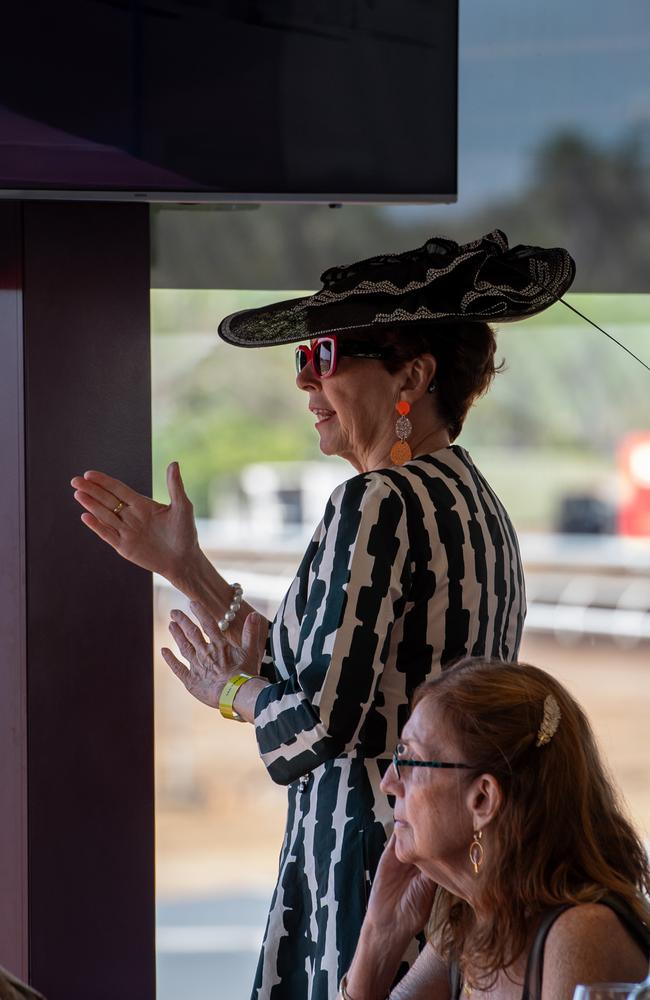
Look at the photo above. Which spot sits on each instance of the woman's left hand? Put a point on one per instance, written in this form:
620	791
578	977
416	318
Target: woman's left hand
399	907
401	897
212	663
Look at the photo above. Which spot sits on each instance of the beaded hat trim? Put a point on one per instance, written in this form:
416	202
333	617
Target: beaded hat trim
441	281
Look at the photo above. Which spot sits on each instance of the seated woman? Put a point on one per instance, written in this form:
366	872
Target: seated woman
510	850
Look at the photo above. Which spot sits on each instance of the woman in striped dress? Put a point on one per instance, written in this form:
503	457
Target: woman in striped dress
410	569
414	565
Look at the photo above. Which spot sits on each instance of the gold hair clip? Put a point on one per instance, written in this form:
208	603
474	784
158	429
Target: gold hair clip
550	721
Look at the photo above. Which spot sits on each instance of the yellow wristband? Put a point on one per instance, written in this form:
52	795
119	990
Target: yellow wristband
228	696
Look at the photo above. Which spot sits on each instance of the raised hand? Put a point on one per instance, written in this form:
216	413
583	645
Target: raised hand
212	663
158	537
401	898
398	909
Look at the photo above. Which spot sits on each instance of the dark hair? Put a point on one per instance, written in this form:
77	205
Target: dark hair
560	836
464	354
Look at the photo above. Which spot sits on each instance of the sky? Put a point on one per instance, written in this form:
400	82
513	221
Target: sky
529	68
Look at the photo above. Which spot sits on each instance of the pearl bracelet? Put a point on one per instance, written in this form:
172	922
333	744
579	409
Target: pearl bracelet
233	608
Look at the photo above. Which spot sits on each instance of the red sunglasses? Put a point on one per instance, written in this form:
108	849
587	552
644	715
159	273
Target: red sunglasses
324	353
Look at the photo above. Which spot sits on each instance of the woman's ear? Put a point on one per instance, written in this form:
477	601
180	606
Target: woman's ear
484	800
418	375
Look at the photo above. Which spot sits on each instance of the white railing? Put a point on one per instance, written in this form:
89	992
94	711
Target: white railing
576	585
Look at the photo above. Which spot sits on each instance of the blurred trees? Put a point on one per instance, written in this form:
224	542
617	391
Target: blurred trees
592	198
218	408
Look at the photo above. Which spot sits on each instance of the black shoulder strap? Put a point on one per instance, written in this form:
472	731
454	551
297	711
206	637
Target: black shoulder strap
535	963
454	981
638	931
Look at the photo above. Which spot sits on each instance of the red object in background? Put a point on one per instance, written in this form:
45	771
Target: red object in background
634	467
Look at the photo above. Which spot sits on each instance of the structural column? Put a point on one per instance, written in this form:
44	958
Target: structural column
76	687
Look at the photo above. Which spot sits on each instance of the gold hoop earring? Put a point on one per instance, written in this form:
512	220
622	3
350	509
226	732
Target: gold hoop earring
476	852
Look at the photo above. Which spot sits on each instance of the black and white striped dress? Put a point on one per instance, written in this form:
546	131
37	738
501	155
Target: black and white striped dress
411	568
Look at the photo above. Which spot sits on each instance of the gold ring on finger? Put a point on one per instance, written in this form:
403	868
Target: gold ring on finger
117	509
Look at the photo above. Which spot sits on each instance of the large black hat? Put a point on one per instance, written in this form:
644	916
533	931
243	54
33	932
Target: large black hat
442	281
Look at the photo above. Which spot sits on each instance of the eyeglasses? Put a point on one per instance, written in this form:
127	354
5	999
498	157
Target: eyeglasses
399	762
324	353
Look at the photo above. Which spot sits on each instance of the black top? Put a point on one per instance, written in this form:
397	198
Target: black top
532	990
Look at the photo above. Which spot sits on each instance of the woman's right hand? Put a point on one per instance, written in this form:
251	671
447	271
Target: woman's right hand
159	537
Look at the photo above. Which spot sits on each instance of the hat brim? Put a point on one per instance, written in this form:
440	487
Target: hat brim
479	282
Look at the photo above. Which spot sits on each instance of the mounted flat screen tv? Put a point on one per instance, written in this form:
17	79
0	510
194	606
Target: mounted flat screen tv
228	100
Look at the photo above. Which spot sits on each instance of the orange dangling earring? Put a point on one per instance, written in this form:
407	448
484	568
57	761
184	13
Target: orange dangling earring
400	452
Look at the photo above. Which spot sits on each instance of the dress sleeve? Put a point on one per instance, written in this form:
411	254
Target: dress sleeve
267	666
359	580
